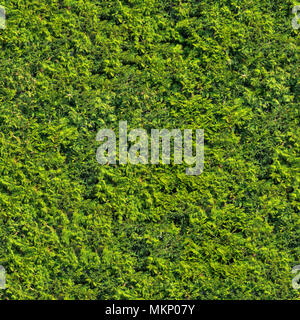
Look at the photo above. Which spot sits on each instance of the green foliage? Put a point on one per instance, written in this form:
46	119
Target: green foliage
72	229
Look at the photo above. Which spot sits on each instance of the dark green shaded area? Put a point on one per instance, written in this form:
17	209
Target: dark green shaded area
72	229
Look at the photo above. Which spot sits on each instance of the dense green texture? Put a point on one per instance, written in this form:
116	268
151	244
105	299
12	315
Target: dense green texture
73	229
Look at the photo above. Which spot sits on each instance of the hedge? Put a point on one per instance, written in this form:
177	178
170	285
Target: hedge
71	228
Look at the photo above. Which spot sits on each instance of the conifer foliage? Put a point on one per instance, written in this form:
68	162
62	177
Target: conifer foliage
73	229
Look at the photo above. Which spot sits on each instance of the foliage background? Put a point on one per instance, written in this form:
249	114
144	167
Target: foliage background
72	229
